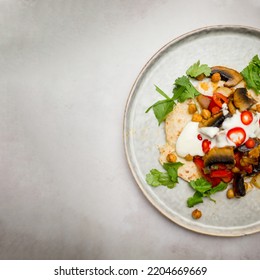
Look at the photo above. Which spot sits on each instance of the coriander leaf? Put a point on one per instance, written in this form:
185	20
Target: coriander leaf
196	69
203	188
220	187
166	180
162	92
169	178
172	170
162	107
251	74
201	185
175	165
153	178
184	89
195	199
157	178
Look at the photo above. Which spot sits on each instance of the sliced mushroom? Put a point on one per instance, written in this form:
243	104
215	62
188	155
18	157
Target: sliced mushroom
230	76
239	185
224	90
241	99
231	107
224	155
215	121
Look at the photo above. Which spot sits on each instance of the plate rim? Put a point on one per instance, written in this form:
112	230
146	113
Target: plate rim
199	229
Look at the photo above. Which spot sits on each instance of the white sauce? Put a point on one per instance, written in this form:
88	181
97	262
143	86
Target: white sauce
189	142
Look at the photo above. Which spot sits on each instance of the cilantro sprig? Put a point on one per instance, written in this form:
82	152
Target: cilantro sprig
203	188
251	74
169	178
183	90
162	107
197	69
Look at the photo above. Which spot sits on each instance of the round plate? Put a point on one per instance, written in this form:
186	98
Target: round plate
231	46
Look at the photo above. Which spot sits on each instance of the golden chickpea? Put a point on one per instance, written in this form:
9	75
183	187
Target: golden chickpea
196	117
200	77
230	193
206	114
189	157
171	158
192	108
215	78
196	214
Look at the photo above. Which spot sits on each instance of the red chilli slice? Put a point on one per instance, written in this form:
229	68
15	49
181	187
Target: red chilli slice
246	117
237	135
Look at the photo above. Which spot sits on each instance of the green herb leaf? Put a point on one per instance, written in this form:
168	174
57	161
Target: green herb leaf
196	69
184	89
201	185
169	178
162	107
251	74
203	188
220	187
195	199
153	178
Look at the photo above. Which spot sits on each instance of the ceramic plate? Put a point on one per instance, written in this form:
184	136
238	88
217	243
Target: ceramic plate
231	46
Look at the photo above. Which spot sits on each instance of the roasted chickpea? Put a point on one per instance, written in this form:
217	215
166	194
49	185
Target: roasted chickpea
196	214
196	117
171	158
192	108
230	193
206	114
189	157
200	77
215	78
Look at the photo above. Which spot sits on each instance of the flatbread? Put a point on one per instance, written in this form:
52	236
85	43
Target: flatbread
174	124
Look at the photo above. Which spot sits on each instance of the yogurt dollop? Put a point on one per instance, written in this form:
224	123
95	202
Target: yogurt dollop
233	132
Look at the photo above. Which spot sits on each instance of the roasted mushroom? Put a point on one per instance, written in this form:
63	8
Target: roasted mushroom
239	185
230	76
216	120
224	155
241	99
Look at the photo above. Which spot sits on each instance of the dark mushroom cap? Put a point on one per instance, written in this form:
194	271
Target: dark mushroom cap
224	155
239	185
241	100
231	76
216	120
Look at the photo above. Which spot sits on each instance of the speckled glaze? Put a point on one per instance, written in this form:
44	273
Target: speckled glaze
231	46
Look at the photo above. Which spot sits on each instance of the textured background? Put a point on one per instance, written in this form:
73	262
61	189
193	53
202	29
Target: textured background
67	67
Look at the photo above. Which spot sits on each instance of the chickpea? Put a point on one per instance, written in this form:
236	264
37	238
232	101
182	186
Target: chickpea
200	77
196	214
215	78
171	158
189	157
230	193
196	117
206	114
192	108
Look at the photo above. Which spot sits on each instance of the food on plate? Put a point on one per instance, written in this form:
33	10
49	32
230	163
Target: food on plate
212	127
